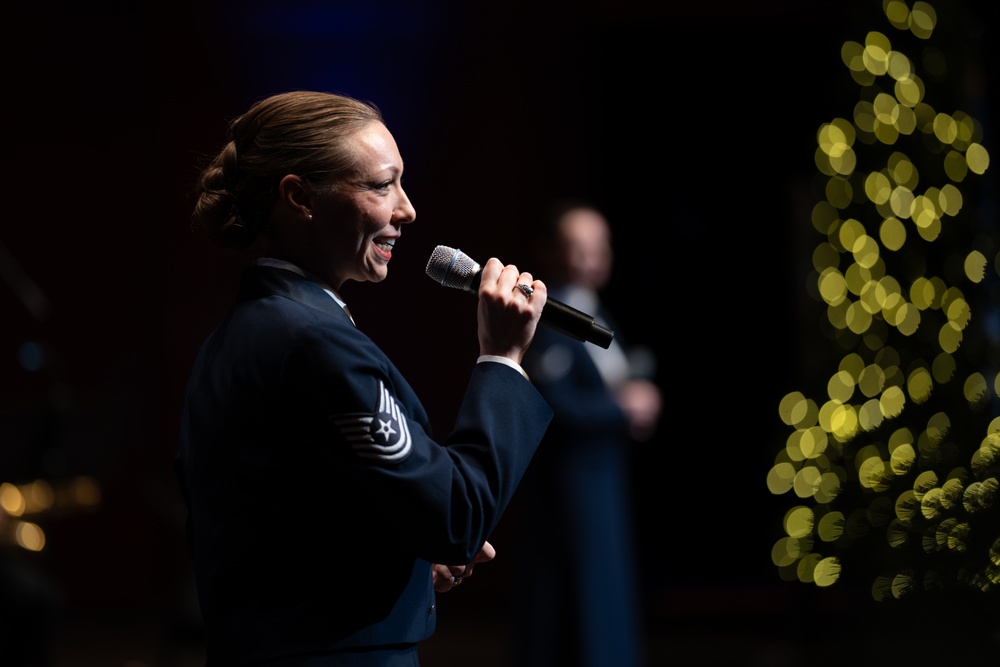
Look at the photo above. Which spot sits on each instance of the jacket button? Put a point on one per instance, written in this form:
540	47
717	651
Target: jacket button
430	610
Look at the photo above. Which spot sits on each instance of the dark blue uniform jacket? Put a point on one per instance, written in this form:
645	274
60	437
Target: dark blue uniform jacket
317	496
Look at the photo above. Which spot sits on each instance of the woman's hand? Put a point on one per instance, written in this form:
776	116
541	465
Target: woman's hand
446	577
508	313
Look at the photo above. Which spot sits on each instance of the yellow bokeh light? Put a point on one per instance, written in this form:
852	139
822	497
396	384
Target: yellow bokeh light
950	337
824	217
924	212
945	128
870	415
988	454
827	571
864	117
866	251
831	526
955	166
858	318
836	137
852	55
29	536
878	187
828	488
902	459
979	496
871	380
958	537
907	506
899	66
902	585
901	202
897	534
875	474
943	368
951	493
806	482
950	199
892	233
958	312
881	589
813	442
39	496
922	19
780	477
11	499
922	293
876	53
892	402
850	232
832	286
902	169
840	388
780	553
909	91
790	406
839	192
975	266
978	158
919	385
924	482
799	522
975	389
898	13
858	277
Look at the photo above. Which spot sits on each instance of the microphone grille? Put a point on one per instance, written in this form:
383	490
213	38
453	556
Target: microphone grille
452	268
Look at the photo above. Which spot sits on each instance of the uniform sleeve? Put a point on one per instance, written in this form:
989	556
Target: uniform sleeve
443	498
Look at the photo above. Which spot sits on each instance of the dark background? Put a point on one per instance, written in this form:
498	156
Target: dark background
692	125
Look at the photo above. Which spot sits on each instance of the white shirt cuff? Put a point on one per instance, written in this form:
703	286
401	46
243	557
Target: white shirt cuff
502	360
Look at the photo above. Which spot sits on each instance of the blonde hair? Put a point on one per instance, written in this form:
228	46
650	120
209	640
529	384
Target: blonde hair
298	132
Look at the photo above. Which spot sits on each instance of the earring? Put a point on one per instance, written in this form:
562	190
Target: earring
310	216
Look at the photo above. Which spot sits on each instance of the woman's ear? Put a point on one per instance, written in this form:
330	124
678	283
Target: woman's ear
293	193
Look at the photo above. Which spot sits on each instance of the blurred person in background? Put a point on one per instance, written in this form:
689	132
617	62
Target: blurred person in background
578	505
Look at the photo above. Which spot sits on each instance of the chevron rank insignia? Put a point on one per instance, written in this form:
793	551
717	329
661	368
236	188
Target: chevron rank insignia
384	435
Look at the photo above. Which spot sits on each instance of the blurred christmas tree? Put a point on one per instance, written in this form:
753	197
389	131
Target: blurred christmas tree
893	468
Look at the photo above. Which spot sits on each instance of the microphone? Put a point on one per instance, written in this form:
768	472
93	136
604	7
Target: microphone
453	268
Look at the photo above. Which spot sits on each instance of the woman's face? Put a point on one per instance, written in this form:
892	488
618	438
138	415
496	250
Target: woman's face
358	223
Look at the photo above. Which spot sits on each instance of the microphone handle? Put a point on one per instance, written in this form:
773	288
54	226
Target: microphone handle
575	324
